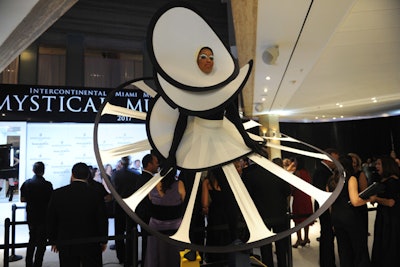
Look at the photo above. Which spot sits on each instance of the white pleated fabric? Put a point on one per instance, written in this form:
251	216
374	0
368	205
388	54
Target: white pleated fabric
205	143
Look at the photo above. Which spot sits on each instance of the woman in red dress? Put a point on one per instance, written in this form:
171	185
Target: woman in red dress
302	205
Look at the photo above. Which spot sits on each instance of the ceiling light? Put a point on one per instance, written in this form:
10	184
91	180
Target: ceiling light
265	89
268	78
264	131
263	99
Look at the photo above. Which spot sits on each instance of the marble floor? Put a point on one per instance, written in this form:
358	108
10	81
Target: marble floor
302	256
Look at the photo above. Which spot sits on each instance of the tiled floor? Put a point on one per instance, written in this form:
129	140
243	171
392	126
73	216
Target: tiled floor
302	256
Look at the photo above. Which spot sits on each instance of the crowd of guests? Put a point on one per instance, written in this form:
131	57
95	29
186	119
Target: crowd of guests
71	218
347	218
80	211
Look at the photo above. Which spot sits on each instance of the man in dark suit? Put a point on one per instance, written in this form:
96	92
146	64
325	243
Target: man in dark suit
77	212
270	195
320	178
124	182
150	167
36	192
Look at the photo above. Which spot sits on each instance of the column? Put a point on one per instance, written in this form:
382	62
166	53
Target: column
270	128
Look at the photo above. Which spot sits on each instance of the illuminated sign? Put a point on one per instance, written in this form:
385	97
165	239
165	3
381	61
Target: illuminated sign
64	104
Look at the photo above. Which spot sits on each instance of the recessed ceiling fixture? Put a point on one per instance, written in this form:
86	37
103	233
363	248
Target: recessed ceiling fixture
258	107
270	55
268	78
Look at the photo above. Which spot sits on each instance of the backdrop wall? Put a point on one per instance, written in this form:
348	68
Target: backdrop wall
368	138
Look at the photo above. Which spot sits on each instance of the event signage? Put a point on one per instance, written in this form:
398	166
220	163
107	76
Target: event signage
35	103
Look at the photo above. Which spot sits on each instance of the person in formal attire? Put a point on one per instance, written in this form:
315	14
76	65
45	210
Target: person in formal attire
13	181
270	195
166	217
124	182
386	246
320	178
197	229
348	218
302	205
77	212
150	167
358	172
109	170
97	182
111	201
290	165
216	196
362	179
118	166
137	166
11	188
36	192
286	163
239	165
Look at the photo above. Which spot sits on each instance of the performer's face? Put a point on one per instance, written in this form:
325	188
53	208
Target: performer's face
205	60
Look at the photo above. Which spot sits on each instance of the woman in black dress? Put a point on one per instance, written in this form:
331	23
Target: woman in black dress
217	199
386	247
348	213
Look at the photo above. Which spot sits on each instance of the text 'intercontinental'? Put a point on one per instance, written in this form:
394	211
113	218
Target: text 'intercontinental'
69	100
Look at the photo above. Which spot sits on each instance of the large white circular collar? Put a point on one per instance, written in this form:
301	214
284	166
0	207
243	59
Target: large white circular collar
175	36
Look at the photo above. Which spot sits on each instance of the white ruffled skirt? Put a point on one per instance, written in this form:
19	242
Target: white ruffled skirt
205	143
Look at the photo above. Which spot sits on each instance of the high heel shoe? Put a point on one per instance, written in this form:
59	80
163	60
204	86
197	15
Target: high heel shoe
298	243
305	242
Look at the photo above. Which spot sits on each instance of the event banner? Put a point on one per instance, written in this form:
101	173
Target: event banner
61	145
34	103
